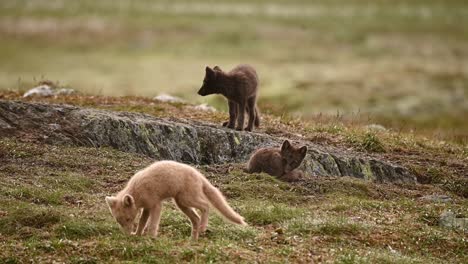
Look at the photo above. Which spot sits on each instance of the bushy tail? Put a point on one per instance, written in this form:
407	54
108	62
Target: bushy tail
218	201
257	117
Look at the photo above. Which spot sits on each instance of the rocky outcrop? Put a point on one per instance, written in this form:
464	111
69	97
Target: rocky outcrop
45	90
182	140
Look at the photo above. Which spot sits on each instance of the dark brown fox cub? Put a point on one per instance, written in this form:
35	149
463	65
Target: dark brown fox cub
281	163
239	86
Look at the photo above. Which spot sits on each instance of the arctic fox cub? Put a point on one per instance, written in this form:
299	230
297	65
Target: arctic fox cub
162	180
279	162
240	87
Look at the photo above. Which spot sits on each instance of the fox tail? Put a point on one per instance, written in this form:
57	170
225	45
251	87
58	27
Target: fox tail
218	201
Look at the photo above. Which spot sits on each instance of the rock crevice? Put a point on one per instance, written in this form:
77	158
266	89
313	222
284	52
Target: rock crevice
181	140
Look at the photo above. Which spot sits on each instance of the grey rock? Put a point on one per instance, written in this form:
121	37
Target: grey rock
168	98
55	126
375	127
449	220
175	139
45	90
41	90
4	125
204	107
436	198
65	91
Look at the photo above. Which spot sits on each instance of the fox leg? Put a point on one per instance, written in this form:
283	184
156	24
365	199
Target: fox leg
142	223
257	117
232	114
292	176
252	112
203	205
240	116
154	218
204	218
194	218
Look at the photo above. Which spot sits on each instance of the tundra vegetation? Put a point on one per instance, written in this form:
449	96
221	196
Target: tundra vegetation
53	209
328	69
400	63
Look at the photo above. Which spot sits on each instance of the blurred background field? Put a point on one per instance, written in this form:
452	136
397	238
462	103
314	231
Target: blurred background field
399	63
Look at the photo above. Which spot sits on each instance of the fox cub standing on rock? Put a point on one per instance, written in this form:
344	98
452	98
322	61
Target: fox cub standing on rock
277	162
239	86
168	179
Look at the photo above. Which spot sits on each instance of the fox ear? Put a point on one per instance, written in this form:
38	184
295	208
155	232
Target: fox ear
128	200
303	151
209	72
286	145
110	201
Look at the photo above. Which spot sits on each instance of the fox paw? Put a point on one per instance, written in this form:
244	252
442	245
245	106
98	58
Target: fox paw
226	124
293	176
248	129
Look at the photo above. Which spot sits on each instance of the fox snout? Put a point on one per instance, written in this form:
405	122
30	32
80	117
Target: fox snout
202	91
288	168
127	230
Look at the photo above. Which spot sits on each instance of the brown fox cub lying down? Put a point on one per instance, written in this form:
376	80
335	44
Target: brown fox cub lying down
281	163
162	180
239	86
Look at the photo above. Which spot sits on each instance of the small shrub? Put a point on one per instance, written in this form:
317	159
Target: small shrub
458	186
430	218
371	143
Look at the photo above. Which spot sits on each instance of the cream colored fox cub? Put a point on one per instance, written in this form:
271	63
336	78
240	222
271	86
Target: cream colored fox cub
162	180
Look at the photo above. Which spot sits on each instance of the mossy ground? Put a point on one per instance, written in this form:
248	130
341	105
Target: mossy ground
52	203
432	161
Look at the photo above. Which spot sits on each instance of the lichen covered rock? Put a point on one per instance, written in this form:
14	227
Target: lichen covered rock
181	140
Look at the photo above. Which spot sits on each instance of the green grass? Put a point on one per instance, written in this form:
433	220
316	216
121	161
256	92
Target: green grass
344	220
26	217
260	187
79	229
264	213
34	195
333	227
398	63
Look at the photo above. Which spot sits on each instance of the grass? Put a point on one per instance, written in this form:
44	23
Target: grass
401	64
326	72
265	213
25	217
431	160
337	222
35	195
